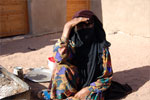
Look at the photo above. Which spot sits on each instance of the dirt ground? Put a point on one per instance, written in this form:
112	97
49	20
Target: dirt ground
130	60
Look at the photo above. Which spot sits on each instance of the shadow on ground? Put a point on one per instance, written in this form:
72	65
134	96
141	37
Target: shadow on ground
35	88
141	75
28	44
136	77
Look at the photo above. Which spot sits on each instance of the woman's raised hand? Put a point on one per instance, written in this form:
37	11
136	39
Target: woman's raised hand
76	21
71	24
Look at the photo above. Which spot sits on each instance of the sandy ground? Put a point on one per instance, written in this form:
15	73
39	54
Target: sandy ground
130	59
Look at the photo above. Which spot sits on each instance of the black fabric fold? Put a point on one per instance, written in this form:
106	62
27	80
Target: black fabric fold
88	52
117	91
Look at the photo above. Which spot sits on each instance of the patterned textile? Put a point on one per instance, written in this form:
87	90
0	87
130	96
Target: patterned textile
66	79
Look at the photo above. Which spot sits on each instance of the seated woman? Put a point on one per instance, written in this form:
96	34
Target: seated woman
84	70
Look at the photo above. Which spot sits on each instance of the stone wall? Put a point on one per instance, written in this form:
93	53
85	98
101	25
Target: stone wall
129	16
46	16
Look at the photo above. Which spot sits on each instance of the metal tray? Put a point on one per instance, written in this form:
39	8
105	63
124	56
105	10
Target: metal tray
39	75
24	95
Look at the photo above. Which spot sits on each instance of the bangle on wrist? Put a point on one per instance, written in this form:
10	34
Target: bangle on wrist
64	39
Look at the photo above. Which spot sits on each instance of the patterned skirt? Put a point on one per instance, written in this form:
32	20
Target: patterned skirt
65	82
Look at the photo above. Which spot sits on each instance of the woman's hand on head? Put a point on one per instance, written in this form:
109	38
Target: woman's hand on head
71	24
76	21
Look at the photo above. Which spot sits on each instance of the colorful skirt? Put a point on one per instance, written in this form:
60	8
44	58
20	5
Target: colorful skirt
64	84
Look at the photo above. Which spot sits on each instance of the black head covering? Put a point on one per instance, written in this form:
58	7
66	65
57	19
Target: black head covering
89	44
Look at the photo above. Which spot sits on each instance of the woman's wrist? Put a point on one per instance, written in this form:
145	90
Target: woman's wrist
66	32
64	39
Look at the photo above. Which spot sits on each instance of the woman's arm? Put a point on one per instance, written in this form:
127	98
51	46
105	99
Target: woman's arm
61	50
69	25
104	81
